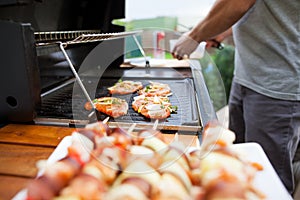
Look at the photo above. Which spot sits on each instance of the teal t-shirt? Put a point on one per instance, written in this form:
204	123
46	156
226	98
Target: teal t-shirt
267	57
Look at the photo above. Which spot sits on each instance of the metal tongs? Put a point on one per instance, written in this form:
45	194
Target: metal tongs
87	96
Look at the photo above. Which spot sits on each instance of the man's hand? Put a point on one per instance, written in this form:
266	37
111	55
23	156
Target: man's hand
184	47
216	41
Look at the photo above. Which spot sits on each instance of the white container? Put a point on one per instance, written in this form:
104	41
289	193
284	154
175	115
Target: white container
159	44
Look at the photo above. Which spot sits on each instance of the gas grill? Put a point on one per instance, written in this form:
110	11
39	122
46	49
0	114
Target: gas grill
62	70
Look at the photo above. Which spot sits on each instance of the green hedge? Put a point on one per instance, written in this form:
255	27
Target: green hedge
217	70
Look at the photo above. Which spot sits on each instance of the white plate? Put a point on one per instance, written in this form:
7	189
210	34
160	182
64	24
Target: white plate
267	181
59	152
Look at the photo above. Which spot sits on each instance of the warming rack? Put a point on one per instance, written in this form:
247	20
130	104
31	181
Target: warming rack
84	38
78	37
48	36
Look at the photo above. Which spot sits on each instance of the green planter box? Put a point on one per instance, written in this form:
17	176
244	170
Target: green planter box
158	23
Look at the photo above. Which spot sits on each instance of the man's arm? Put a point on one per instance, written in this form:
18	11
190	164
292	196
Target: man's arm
221	17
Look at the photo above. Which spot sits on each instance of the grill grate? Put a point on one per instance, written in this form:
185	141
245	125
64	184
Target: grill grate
65	103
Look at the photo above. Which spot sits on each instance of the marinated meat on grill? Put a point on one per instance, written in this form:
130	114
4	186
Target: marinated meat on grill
112	106
125	87
155	89
153	107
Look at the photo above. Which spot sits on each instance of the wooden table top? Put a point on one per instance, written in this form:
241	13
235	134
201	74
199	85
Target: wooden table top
21	146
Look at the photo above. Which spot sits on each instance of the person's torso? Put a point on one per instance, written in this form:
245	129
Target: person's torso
267	41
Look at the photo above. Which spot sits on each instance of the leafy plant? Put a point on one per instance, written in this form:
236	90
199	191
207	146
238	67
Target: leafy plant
217	69
224	60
